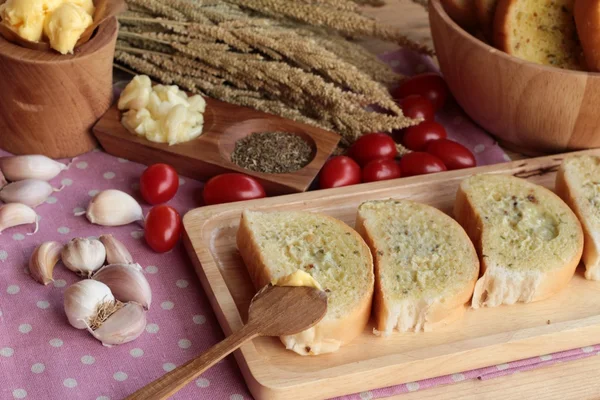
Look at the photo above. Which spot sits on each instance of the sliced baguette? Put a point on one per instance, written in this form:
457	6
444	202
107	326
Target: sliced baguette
528	240
484	11
425	265
578	184
275	245
587	21
539	31
462	12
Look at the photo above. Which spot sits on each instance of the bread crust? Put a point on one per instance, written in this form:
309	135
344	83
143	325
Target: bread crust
587	22
485	11
501	25
329	334
462	12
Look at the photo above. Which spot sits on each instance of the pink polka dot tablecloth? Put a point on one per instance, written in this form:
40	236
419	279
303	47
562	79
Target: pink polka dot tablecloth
43	357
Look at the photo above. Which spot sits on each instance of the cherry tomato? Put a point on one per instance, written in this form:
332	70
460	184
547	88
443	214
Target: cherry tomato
159	183
417	137
373	146
163	228
418	163
226	188
380	170
454	155
339	171
430	85
417	107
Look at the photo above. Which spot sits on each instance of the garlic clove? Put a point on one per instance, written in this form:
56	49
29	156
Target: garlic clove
42	261
3	181
84	256
126	282
114	208
83	299
123	326
31	192
14	214
17	168
116	252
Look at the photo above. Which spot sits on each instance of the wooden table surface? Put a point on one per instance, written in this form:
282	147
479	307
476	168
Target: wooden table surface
565	380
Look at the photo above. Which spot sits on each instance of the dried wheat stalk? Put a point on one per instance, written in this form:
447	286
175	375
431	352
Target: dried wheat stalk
287	58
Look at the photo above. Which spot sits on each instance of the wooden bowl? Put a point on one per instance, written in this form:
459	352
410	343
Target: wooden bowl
51	101
529	107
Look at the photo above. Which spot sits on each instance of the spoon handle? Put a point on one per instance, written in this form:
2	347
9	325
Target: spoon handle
170	383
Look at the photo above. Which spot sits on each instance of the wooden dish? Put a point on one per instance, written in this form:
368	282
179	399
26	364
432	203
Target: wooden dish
483	338
51	101
210	154
529	107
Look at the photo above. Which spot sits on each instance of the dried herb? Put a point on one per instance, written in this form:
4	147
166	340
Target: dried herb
272	152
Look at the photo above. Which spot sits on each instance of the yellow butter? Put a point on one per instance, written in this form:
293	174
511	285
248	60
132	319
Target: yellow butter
25	17
298	278
65	25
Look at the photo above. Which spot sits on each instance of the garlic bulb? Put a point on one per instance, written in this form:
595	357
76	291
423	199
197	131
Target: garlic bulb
113	208
84	256
42	261
124	325
14	214
17	168
136	93
127	283
83	299
116	252
31	192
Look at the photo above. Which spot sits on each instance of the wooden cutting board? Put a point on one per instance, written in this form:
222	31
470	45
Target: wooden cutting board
484	337
210	154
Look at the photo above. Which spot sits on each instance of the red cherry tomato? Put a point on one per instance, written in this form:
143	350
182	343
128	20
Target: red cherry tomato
339	171
454	155
380	170
159	183
417	107
163	228
373	146
417	137
430	85
226	188
419	163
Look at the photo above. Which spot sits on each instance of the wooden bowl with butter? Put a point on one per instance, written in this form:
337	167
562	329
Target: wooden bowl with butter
530	108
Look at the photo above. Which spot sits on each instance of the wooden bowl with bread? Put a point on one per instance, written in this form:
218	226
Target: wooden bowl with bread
524	75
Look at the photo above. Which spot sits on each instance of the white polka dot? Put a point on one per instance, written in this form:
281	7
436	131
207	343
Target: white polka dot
412	386
167	305
19	393
102	398
122	160
137	234
18	236
181	181
64	230
120	376
51	200
458	377
6	352
108	175
202	382
184	343
0	313
38	368
66	182
151	269
236	397
25	328
479	148
93	192
70	383
394	63
506	157
458	120
13	289
199	319
366	395
169	367
136	353
3	255
502	367
78	210
152	328
88	360
81	165
182	283
59	283
56	342
546	357
135	186
588	349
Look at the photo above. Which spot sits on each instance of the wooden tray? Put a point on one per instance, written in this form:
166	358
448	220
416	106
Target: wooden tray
210	154
484	337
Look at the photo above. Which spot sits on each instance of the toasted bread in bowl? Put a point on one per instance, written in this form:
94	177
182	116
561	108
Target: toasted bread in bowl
587	21
461	11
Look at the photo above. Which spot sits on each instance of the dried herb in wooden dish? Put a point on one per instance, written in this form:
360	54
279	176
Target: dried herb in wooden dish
272	152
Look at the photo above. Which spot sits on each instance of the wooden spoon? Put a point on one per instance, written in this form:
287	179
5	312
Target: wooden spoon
105	9
274	311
